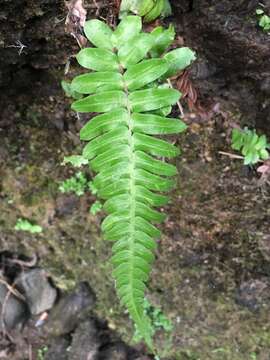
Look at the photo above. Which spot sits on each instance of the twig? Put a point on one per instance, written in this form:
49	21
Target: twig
98	8
18	45
178	102
22	263
234	156
12	290
30	353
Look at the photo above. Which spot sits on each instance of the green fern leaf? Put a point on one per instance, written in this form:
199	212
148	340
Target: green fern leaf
128	28
99	34
97	81
121	148
163	39
156	11
179	59
97	59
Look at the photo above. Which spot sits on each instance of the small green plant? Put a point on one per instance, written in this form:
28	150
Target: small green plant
96	207
92	187
219	350
149	9
75	160
77	184
252	146
264	20
42	352
127	85
25	225
159	321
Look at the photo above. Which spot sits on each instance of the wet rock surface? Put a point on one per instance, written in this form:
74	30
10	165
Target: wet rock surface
80	335
39	293
26	28
13	309
117	351
232	40
58	349
24	290
86	341
233	44
70	310
69	331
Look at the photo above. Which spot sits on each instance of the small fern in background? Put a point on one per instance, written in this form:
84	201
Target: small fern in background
26	225
127	87
264	20
252	146
159	321
77	184
149	9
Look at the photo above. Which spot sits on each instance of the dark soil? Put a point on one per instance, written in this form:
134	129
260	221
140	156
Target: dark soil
211	275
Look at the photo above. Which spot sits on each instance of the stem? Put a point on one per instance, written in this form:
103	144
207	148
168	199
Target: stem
178	102
234	156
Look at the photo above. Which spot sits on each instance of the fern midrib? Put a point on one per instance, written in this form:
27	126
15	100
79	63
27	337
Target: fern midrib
132	200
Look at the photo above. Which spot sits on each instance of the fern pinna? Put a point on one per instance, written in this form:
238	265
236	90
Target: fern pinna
127	85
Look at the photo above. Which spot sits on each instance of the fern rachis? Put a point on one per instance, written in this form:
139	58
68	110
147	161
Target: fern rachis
125	88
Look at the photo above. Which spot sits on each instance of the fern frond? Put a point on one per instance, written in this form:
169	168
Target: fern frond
121	148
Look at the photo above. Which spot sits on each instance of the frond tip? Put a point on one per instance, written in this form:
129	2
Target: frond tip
121	149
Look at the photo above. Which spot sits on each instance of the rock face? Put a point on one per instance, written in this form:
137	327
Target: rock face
39	292
34	49
13	310
227	34
85	341
58	350
70	310
32	40
89	337
34	46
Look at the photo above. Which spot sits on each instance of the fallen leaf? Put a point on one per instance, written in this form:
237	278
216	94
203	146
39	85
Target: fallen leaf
75	21
264	170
